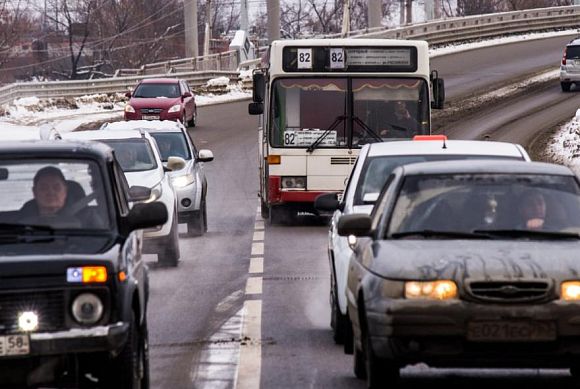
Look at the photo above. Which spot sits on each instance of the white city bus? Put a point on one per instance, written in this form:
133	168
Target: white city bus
322	99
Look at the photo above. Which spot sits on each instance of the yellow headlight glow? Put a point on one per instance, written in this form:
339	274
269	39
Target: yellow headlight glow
570	291
434	290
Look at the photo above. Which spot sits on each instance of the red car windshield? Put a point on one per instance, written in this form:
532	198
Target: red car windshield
151	90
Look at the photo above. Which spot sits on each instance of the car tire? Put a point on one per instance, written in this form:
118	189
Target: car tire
170	254
338	321
359	365
380	372
348	337
565	86
198	226
130	369
193	120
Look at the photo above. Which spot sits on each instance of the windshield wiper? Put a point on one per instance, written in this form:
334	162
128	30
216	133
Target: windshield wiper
318	140
367	129
14	228
445	234
519	233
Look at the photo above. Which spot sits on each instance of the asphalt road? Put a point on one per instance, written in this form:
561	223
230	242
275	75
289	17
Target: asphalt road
196	309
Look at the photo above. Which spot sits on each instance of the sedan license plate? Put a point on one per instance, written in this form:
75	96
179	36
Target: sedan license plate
150	117
511	331
577	62
14	345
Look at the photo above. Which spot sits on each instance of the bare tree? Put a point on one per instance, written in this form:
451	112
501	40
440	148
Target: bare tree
14	24
327	16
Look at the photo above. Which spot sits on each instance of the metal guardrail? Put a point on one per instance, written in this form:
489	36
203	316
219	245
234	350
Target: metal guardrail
435	32
54	89
227	61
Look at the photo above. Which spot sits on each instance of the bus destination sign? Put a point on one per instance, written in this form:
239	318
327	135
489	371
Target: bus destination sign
378	57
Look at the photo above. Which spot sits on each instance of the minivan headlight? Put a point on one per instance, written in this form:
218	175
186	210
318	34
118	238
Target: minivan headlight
175	108
182	181
87	308
431	290
129	108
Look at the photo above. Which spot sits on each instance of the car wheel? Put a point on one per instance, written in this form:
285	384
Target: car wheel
338	321
348	336
130	368
380	372
197	226
193	120
359	367
565	86
169	255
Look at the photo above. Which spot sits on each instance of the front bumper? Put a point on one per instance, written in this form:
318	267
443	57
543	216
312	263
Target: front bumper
188	201
96	339
163	115
437	333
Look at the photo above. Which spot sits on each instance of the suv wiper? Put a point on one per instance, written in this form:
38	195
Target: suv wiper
444	234
318	140
519	233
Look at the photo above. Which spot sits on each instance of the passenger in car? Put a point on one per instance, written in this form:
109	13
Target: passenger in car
532	209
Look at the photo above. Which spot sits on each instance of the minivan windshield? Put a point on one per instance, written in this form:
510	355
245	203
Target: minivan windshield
134	155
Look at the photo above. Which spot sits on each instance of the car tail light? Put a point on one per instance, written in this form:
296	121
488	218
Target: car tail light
564	57
274	184
430	137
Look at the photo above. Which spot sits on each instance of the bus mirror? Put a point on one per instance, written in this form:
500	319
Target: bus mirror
258	87
256	108
438	93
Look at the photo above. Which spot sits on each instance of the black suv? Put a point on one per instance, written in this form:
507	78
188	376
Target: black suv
73	286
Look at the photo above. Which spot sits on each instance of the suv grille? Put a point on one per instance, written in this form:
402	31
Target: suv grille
151	110
49	305
509	291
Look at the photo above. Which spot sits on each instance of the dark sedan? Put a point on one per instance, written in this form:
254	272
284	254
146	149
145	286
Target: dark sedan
467	264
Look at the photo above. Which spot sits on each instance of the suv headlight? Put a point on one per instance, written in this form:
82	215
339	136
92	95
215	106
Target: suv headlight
156	193
431	290
175	108
129	108
183	180
87	308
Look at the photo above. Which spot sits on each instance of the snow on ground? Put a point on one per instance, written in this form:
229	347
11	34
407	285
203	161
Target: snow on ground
565	145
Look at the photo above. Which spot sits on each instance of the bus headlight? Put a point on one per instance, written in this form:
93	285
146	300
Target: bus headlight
296	183
87	308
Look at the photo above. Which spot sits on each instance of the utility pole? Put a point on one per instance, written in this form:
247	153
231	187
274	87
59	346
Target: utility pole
409	12
345	30
190	22
244	15
429	10
207	35
273	9
401	12
375	13
437	9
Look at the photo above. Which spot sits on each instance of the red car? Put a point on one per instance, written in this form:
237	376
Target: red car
162	99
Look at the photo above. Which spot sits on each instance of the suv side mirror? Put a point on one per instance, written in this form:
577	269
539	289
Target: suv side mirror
438	91
357	224
146	215
256	108
175	163
186	94
205	155
258	87
327	202
139	193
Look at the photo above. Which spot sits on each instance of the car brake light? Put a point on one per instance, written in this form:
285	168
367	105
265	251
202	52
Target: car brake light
430	137
564	57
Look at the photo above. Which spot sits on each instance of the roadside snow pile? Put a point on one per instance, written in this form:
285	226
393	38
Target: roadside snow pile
564	147
220	81
231	93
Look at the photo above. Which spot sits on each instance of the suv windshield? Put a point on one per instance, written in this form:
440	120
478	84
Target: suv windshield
171	144
514	205
376	170
346	113
150	90
134	155
50	195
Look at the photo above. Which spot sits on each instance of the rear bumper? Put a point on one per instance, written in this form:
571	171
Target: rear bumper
569	77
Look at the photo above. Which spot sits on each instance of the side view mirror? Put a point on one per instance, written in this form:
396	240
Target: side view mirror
327	202
48	132
438	91
139	193
175	163
186	94
205	155
128	95
146	215
256	108
258	87
357	224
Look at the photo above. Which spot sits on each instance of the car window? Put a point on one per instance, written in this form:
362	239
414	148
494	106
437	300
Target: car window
376	170
122	189
150	90
172	144
572	52
133	154
60	194
468	202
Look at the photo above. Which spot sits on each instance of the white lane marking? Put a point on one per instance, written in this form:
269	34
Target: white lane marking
254	285
250	367
227	303
256	265
216	367
258	236
257	249
259	225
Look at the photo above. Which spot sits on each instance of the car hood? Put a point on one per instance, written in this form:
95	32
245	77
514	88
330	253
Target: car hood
156	102
458	260
147	178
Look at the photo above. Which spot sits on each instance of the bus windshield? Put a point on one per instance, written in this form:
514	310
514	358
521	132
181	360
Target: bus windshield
347	112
